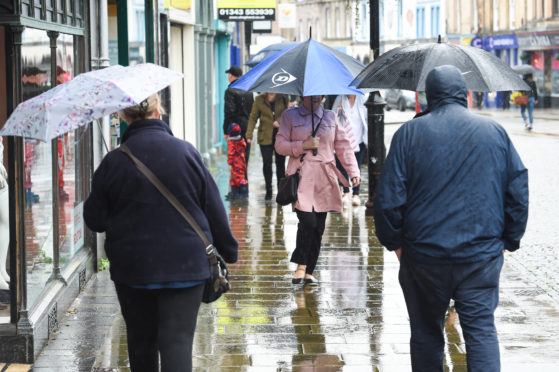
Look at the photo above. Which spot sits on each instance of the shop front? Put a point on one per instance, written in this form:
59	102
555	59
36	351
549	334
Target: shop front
504	47
45	248
541	50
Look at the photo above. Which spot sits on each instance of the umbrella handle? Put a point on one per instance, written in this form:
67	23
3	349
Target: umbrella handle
314	151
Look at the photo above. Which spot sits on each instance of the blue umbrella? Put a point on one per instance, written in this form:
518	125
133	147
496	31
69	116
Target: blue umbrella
268	51
305	69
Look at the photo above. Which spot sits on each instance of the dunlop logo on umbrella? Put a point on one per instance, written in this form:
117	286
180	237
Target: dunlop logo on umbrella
282	78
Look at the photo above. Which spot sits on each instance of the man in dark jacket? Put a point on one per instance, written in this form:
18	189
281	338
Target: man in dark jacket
453	196
238	104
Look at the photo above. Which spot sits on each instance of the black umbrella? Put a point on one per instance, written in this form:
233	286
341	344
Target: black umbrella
267	52
407	67
524	69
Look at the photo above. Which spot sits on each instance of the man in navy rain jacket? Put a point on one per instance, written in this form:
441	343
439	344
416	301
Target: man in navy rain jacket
453	196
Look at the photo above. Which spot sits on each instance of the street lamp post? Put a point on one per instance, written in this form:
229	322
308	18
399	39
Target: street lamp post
376	151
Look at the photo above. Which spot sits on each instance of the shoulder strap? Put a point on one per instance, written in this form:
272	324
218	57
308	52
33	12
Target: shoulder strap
168	195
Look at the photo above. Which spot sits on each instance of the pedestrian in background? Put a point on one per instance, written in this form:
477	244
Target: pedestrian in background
238	104
236	159
479	100
449	207
268	108
352	114
532	100
318	191
506	99
157	261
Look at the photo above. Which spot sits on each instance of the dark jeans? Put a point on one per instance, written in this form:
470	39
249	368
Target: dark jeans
359	158
268	152
161	320
475	290
309	238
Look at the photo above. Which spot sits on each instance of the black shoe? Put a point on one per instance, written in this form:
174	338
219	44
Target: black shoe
297	281
311	281
268	195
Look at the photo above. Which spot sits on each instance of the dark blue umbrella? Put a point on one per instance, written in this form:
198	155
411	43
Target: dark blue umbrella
268	51
306	69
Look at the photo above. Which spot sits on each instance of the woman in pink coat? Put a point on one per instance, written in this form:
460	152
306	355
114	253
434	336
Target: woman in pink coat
318	191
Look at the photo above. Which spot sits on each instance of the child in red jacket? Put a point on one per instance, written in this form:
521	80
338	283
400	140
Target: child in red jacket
237	162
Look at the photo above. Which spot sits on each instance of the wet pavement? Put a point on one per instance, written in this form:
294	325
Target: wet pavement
355	320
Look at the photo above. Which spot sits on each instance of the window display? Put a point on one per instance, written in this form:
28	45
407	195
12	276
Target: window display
36	60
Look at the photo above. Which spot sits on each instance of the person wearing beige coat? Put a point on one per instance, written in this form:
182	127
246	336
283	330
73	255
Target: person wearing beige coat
318	191
268	107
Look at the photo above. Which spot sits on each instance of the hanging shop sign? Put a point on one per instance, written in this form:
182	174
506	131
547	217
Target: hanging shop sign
500	42
262	27
246	10
178	4
477	42
538	40
286	15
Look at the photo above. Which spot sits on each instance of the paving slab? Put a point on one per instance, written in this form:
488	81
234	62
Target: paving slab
355	320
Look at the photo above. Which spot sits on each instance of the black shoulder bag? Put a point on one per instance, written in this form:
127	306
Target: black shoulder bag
218	282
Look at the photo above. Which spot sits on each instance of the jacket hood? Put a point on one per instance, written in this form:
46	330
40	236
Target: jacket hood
445	85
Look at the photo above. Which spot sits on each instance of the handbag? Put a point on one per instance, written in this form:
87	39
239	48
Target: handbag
287	189
521	100
218	282
288	186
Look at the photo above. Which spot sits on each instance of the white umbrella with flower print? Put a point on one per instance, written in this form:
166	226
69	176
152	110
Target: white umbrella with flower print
87	97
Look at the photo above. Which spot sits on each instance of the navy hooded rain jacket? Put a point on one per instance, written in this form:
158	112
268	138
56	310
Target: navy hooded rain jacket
453	188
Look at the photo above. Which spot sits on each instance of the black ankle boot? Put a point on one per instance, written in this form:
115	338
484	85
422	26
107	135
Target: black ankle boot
268	194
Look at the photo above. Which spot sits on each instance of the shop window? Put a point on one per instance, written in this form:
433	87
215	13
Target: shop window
36	78
4	196
555	72
420	23
70	165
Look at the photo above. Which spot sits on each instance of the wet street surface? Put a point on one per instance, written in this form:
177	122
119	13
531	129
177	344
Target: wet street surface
355	319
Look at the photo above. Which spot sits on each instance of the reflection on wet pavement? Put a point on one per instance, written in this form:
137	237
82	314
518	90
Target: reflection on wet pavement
355	320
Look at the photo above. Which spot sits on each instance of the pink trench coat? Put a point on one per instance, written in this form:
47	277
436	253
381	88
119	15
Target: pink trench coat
318	182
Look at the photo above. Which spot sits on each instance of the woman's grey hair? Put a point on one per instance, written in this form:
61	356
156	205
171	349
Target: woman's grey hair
145	109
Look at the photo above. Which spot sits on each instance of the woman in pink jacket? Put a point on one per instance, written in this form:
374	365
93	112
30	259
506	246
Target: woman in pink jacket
318	191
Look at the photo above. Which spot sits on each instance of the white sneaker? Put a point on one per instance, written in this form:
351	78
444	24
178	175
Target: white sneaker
346	200
530	127
356	201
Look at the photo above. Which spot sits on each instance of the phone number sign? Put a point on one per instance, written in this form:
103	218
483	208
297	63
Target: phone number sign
246	14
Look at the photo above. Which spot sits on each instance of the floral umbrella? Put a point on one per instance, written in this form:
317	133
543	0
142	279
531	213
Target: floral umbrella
85	98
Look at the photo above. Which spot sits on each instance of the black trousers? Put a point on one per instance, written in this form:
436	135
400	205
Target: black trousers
268	153
160	322
309	238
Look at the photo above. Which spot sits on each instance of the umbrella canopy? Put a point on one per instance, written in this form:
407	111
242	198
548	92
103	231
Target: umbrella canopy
87	97
268	51
407	67
306	69
524	69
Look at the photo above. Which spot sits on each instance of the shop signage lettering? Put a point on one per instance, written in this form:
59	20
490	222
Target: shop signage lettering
77	228
246	10
247	14
500	42
536	41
